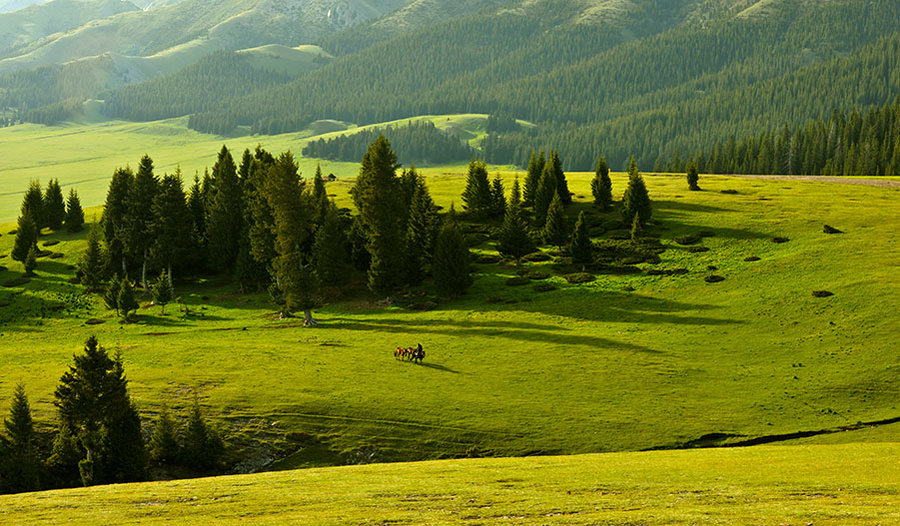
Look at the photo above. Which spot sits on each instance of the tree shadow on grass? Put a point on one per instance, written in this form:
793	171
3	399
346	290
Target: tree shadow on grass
551	334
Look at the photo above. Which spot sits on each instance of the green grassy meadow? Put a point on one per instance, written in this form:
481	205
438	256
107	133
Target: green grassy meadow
824	485
510	371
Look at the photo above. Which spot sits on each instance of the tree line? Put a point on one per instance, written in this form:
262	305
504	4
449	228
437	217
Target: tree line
416	142
40	210
98	438
858	143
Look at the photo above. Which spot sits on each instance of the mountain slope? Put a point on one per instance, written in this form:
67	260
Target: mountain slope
38	21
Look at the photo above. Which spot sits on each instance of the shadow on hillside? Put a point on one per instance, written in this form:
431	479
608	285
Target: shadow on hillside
551	334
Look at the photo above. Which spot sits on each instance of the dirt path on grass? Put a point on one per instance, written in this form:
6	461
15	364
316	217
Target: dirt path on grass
883	183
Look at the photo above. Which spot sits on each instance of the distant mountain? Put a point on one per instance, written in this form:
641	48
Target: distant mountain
36	22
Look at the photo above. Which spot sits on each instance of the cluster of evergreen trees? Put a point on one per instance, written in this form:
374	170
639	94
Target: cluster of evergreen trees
98	438
417	141
268	228
42	210
861	143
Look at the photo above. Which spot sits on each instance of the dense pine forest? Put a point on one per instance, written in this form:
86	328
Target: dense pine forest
421	142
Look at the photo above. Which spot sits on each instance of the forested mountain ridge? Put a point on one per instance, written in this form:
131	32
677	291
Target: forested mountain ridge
595	85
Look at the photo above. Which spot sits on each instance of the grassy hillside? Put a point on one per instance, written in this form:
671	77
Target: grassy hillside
583	368
824	485
85	155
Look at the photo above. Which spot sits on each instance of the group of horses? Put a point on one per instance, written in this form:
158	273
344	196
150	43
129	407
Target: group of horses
412	354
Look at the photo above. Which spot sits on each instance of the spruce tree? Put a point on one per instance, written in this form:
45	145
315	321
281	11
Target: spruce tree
224	221
65	454
533	177
163	446
74	214
693	177
111	293
562	186
138	219
636	201
555	231
319	197
20	466
477	196
203	448
93	401
424	223
196	203
331	250
498	198
162	291
172	226
637	230
125	300
91	267
30	261
26	237
33	205
115	212
580	247
54	205
379	200
601	185
515	240
260	220
450	267
546	190
292	213
515	195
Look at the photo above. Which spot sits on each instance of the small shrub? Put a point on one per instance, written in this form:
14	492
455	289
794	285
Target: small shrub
537	275
579	277
828	229
536	257
517	281
714	279
822	294
543	287
487	259
697	249
690	239
780	240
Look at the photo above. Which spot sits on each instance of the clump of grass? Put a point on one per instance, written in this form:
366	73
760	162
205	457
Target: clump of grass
579	277
714	279
822	294
543	287
517	281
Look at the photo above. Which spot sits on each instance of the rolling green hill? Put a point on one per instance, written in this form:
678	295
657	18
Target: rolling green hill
511	371
826	485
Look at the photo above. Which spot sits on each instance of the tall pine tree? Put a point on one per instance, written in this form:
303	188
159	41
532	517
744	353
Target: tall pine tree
601	185
172	224
636	201
515	240
477	196
138	218
74	213
54	205
20	466
33	205
555	231
91	266
533	177
546	190
580	246
224	220
115	212
451	263
562	186
26	237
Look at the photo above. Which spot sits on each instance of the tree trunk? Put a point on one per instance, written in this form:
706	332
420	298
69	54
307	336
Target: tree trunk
170	276
144	273
308	320
124	268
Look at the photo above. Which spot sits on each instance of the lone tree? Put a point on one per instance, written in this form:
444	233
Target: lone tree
294	275
601	185
162	291
515	239
379	199
163	446
74	213
203	448
547	189
125	300
478	199
93	401
693	176
33	205
54	205
555	231
26	237
20	466
533	177
31	261
451	261
580	247
91	267
636	202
